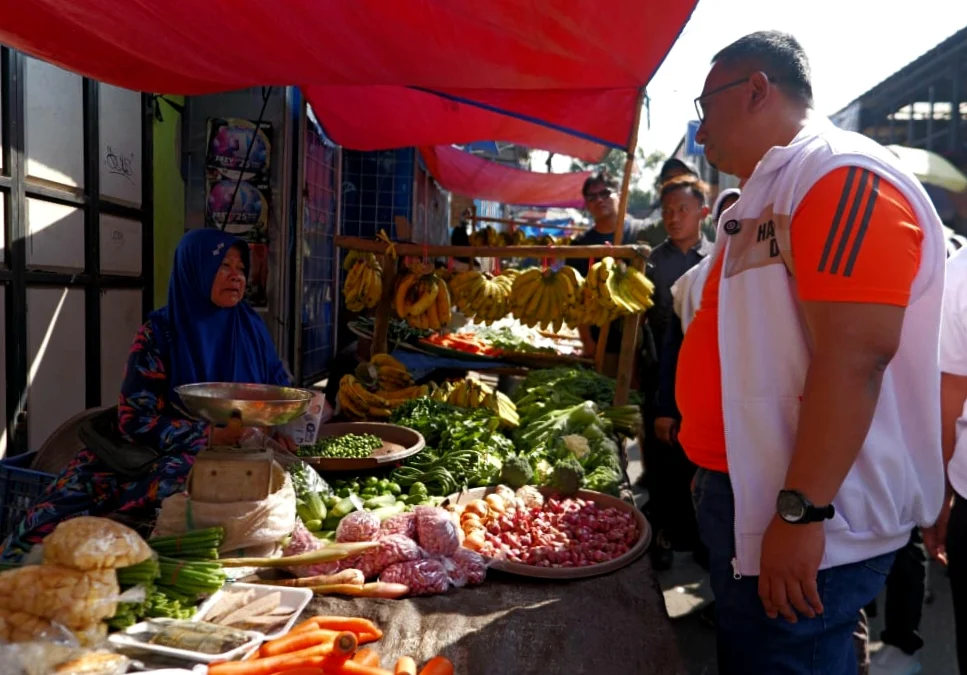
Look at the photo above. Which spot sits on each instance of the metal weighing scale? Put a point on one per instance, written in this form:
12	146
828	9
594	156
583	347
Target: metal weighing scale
225	474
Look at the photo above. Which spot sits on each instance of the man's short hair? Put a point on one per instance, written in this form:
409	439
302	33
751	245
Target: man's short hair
674	164
603	177
779	55
693	184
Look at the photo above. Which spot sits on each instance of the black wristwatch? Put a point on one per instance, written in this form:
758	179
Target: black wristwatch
794	508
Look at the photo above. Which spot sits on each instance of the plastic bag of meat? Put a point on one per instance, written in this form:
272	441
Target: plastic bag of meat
403	523
466	568
435	531
392	549
423	577
358	526
303	541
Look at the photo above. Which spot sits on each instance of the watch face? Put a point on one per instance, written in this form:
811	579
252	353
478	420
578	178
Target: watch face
790	507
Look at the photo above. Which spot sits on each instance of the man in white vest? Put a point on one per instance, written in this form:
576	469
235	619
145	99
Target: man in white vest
807	381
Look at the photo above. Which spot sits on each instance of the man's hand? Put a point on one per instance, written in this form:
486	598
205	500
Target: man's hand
788	567
666	429
935	536
285	441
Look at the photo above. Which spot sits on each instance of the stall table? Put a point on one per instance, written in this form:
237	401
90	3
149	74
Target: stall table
614	624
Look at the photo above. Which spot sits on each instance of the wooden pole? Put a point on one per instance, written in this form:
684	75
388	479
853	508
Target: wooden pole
527	223
601	351
626	252
384	310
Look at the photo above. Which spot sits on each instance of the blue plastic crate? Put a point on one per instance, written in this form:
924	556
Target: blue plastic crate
19	487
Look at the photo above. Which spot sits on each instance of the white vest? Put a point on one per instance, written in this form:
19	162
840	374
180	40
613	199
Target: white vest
897	480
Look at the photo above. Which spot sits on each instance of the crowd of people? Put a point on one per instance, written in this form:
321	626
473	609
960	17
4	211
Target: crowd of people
800	434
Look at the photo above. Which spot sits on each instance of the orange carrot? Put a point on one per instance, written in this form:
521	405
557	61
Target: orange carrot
356	668
297	642
304	671
438	665
405	666
307	658
361	627
367	657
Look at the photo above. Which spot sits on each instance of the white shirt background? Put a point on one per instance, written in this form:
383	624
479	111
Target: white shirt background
953	356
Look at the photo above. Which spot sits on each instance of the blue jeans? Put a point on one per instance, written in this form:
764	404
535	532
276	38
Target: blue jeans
749	642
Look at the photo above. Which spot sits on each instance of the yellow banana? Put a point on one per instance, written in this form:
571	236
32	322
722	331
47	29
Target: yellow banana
443	306
428	289
375	291
432	318
402	289
387	361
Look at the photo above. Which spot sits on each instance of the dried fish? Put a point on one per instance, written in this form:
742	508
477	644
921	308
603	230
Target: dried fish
262	606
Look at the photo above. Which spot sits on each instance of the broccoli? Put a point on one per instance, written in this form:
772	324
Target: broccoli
605	479
567	476
516	472
542	470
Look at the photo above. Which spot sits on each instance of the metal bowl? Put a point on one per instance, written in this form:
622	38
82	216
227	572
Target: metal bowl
256	405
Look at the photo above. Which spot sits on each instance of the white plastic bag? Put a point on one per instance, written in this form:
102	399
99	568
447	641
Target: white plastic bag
252	529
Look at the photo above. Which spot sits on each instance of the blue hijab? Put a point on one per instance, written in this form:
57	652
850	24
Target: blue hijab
208	343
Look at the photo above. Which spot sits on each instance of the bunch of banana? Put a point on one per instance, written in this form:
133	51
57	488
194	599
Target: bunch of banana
364	283
485	236
587	311
482	297
359	403
391	375
423	300
621	289
469	393
508	238
543	297
541	240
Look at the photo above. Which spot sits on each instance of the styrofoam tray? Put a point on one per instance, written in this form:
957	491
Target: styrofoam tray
295	599
123	639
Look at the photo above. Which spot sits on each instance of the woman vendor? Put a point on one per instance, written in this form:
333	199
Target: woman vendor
206	333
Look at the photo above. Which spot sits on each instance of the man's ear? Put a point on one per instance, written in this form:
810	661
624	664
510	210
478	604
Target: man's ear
760	90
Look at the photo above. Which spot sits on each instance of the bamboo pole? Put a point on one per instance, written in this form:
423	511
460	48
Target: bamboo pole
627	252
527	223
625	357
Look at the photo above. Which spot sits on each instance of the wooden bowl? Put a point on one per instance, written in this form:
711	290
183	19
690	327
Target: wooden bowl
606	501
398	444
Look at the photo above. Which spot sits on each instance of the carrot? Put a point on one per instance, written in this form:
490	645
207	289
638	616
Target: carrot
356	668
304	671
348	576
367	657
355	624
307	658
438	665
345	644
297	642
405	666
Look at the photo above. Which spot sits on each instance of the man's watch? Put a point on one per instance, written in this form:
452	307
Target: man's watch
793	507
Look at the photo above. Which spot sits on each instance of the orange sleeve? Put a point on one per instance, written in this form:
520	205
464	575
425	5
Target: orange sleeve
855	238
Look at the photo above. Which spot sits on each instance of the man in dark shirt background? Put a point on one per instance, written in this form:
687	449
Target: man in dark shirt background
601	199
667	471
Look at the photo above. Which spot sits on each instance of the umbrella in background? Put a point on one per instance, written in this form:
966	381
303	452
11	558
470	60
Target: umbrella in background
931	168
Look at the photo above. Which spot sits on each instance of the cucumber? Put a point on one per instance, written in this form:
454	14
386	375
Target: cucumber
314	525
316	507
343	508
385	512
379	502
326	535
331	522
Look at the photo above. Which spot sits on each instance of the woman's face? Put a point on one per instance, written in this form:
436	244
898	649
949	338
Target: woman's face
228	289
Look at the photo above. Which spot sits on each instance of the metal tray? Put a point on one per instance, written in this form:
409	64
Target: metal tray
604	500
254	405
398	444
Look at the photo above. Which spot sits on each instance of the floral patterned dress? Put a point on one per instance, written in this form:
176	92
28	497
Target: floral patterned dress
88	487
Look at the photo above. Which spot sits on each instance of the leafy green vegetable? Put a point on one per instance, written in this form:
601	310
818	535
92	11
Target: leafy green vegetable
604	479
581	383
567	476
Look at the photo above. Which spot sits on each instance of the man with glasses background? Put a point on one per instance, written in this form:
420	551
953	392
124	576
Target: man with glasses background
808	381
601	199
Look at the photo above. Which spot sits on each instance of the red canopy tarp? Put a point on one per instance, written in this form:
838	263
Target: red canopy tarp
567	74
472	176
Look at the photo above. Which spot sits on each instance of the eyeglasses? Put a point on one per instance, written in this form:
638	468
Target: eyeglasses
600	194
698	99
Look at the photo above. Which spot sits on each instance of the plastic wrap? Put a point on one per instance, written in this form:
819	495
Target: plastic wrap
422	577
88	543
75	599
45	657
466	568
435	531
303	541
392	549
403	523
358	526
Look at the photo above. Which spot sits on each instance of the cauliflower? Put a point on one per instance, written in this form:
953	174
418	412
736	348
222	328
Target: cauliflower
578	445
516	472
530	497
567	476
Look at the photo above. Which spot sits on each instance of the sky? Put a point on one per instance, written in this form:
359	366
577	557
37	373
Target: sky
852	45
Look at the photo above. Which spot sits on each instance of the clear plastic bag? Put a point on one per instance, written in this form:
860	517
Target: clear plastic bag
466	568
50	656
303	541
358	526
77	600
392	549
402	523
89	543
435	531
422	577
